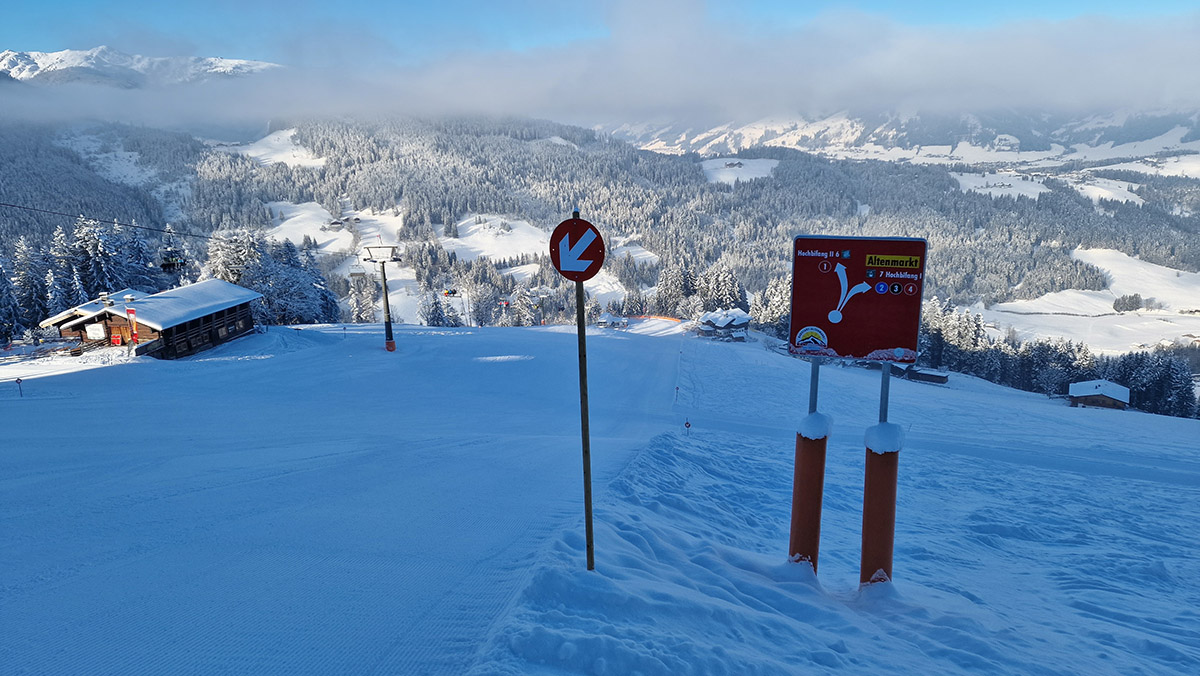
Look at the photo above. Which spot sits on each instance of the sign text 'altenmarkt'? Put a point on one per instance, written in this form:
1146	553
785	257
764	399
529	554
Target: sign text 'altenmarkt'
881	261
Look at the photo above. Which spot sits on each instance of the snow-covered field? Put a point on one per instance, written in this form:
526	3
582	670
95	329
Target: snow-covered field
1184	165
305	502
1088	316
1000	184
1097	189
275	147
731	169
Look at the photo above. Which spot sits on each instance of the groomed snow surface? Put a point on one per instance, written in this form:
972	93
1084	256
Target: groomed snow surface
304	502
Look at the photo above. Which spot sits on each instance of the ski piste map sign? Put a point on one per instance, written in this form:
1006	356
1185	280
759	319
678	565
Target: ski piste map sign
577	249
857	297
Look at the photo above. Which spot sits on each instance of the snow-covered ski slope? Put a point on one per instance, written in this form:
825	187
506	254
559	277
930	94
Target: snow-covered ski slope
304	502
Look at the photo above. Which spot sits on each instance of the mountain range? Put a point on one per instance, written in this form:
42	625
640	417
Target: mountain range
997	136
106	66
1007	137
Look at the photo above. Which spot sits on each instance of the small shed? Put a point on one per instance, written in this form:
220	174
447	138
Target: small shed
1102	393
926	375
726	324
170	324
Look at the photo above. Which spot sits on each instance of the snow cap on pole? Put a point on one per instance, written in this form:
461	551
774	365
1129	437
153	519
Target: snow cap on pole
885	438
815	426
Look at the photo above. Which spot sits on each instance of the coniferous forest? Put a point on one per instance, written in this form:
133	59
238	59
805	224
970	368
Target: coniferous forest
719	245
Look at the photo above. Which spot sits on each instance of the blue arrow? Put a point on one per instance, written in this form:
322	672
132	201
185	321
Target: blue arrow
568	256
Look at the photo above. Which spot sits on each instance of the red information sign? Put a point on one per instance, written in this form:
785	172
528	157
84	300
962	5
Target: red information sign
577	249
857	297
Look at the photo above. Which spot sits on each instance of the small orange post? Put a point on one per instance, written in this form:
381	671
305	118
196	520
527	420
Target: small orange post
808	486
808	479
879	517
883	444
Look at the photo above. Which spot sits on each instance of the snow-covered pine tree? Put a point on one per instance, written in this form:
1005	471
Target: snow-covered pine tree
521	307
772	308
10	312
57	294
98	255
483	298
430	310
720	290
61	259
75	292
689	308
1180	397
452	316
138	268
230	253
670	290
363	292
29	282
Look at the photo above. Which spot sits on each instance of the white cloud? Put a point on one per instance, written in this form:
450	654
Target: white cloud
667	60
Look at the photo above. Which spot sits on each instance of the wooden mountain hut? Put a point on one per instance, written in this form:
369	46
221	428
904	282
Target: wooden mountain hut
1102	393
170	324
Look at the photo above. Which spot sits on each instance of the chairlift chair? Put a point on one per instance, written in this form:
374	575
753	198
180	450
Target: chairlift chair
172	260
357	271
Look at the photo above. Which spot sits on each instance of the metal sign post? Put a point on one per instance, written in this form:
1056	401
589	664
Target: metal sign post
577	252
853	298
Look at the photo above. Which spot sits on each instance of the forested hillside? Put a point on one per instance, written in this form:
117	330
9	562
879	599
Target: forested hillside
434	172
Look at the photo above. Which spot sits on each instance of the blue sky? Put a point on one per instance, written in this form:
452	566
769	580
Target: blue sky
371	32
654	60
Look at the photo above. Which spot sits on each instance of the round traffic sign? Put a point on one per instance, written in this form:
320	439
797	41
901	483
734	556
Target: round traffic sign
577	249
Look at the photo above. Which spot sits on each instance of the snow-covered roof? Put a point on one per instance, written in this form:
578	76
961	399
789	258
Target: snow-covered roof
723	318
90	308
176	306
1105	387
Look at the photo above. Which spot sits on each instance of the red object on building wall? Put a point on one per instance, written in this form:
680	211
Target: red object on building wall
857	297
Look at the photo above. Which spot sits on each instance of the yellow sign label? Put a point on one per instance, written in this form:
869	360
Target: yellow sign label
905	262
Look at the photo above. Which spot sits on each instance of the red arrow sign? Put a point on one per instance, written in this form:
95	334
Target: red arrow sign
577	249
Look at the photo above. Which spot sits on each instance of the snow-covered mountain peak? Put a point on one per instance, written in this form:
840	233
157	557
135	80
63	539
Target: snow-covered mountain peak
110	66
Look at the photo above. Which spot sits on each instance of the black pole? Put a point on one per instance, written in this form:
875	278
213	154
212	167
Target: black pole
389	343
581	327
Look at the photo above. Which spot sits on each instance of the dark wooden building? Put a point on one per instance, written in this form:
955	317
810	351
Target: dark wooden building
1101	393
170	324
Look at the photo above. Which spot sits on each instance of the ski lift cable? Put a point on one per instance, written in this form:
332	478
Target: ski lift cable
140	227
